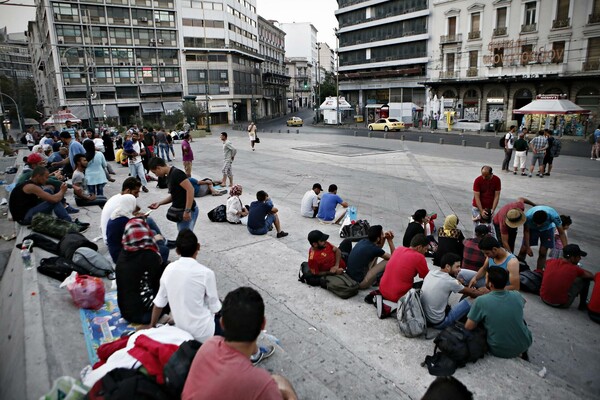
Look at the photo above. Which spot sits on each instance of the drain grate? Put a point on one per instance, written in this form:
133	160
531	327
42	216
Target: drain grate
346	150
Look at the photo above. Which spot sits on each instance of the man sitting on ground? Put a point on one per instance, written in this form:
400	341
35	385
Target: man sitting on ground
362	260
501	313
323	257
83	198
497	256
473	258
221	369
328	204
438	286
564	280
310	202
400	271
263	215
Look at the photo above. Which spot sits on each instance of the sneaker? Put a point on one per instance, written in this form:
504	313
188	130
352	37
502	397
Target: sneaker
145	189
263	353
83	226
515	172
370	298
547	174
541	175
383	310
523	174
171	244
530	175
71	210
282	234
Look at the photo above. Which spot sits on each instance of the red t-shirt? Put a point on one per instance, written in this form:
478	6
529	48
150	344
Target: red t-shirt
487	189
400	272
221	372
559	276
594	304
322	260
500	216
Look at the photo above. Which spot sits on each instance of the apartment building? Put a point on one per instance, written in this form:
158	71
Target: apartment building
301	47
383	52
15	60
271	41
300	93
490	58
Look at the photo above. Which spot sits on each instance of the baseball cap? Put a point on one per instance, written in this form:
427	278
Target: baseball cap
34	158
515	218
481	230
573	250
317	236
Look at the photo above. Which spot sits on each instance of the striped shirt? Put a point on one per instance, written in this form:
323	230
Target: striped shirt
539	143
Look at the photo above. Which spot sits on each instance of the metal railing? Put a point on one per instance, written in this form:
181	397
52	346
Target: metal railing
561	23
474	35
448	74
501	31
528	28
472	71
451	38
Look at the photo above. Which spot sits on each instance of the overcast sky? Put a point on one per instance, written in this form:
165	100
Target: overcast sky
317	12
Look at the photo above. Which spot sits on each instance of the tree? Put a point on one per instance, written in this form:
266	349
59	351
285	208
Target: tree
23	92
191	111
328	87
171	119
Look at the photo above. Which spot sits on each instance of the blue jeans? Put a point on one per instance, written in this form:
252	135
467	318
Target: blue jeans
269	220
98	190
457	312
465	276
191	223
163	150
137	171
47	208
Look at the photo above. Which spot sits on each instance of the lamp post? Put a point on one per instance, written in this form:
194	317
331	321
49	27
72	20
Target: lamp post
318	80
337	75
17	107
206	91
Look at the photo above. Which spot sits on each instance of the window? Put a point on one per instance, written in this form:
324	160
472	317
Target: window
596	7
593	50
498	56
450	63
530	13
452	26
501	17
527	54
65	9
562	9
475	18
473	55
558	52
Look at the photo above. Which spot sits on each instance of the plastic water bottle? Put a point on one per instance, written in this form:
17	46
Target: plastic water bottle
27	257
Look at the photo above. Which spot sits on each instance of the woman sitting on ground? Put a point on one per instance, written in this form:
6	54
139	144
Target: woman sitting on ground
139	268
416	226
450	239
237	213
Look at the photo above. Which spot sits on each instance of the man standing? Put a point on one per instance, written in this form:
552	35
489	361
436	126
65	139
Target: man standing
83	198
71	129
263	215
596	144
501	312
323	257
508	220
229	153
328	204
29	138
252	134
163	146
150	142
310	202
564	280
550	152
509	139
520	148
135	150
539	226
188	155
362	260
538	146
486	194
181	194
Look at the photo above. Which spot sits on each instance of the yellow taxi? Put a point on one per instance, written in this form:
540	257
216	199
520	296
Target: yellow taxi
294	121
386	124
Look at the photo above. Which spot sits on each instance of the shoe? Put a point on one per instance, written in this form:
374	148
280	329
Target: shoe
383	310
523	174
71	210
547	174
530	175
515	172
252	149
145	189
263	353
370	298
541	175
171	244
282	234
83	226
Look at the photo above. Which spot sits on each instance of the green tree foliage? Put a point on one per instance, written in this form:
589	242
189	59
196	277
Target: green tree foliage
23	92
171	119
191	110
328	88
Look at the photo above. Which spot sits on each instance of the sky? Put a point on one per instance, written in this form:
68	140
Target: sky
16	18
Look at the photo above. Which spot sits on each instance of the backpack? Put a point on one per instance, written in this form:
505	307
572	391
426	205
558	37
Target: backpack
341	285
502	142
460	344
126	384
531	281
93	263
71	242
51	226
305	276
162	182
556	147
357	230
177	368
58	268
23	139
411	318
218	214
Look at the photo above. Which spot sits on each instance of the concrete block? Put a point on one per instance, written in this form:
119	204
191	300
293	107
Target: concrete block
441	140
420	139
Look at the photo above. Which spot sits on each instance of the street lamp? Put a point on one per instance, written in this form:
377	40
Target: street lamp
337	75
17	107
318	80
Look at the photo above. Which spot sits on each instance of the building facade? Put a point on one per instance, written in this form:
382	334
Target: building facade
326	60
490	58
300	93
274	79
15	60
301	43
383	53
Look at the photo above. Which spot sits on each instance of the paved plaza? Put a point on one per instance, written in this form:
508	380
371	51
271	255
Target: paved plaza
333	348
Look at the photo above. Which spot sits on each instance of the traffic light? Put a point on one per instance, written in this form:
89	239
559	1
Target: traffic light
305	85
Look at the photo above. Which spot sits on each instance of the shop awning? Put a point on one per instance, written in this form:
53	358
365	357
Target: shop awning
61	118
331	103
171	106
100	111
172	88
551	106
148	89
149	108
374	105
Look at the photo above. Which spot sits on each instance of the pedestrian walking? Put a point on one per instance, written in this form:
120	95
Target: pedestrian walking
509	140
135	150
229	153
252	134
163	146
188	155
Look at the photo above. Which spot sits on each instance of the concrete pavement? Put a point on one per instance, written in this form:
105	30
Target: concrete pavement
332	348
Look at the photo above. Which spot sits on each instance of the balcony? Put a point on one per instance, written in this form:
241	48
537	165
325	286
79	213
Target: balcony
474	35
448	74
445	39
591	65
472	71
528	28
501	31
561	23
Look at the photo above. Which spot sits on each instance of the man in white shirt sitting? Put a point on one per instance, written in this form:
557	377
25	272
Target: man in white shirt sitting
310	202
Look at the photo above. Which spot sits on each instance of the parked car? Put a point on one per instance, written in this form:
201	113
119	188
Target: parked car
386	124
294	121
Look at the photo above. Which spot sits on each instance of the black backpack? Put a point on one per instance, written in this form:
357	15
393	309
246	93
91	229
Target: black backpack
177	368
531	281
218	214
502	142
460	345
305	276
72	241
357	230
58	268
162	182
127	384
23	139
41	242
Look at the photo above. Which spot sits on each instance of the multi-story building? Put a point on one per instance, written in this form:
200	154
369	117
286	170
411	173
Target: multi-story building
490	58
301	43
326	59
300	91
274	79
383	52
15	60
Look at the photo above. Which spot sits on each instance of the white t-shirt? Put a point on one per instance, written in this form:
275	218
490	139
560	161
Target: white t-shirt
190	289
110	206
509	139
437	287
137	147
309	201
234	206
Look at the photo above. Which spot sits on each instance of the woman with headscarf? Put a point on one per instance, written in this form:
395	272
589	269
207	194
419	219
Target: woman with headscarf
450	239
95	172
236	212
109	147
139	268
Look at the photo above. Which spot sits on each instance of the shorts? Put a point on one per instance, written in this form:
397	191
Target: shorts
269	220
548	159
227	168
539	157
546	238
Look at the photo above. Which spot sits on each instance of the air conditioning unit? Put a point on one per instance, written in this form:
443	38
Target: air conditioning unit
121	63
152	40
93	80
67	82
139	63
140	82
117	80
163	79
143	19
162	64
129	63
156	19
161	40
133	81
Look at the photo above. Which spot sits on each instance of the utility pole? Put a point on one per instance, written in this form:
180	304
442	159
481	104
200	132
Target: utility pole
337	75
318	80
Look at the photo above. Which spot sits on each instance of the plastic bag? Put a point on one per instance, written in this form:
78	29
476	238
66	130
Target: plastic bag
66	388
86	291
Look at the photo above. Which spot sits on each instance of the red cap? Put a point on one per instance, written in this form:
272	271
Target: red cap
34	158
